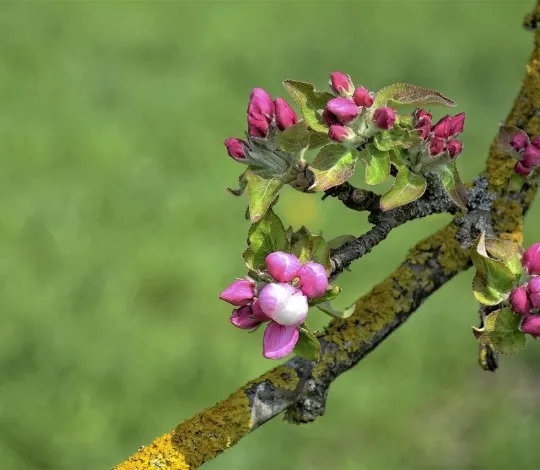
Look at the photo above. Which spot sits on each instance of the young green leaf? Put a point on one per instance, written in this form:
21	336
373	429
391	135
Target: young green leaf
312	248
310	102
327	308
338	241
308	346
317	139
502	332
330	294
408	187
403	94
397	137
452	184
262	190
333	165
294	138
377	164
242	182
265	236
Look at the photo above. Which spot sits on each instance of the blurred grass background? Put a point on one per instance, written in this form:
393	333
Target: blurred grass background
116	234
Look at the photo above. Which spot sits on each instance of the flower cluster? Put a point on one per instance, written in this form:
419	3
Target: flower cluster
350	115
528	151
263	115
283	303
440	138
525	299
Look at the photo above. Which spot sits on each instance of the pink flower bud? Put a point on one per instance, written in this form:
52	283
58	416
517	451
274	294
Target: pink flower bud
243	318
420	113
236	148
261	104
521	169
257	311
341	83
437	145
239	293
344	109
531	259
531	156
531	325
536	142
362	97
454	147
340	133
313	279
534	292
284	304
457	123
283	267
285	115
279	341
384	118
519	141
443	128
258	126
519	301
329	118
423	126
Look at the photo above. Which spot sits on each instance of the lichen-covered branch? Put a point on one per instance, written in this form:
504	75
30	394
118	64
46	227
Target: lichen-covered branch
299	387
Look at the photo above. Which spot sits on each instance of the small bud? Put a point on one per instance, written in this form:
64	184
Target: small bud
341	83
239	293
423	126
236	148
284	304
257	311
285	115
420	113
283	267
329	118
457	123
534	292
521	169
536	142
519	301
313	279
454	148
531	156
519	141
531	325
362	97
279	341
437	145
243	318
261	104
384	118
340	133
344	109
443	128
258	126
531	259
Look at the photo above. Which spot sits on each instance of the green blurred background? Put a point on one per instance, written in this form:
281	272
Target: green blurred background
117	234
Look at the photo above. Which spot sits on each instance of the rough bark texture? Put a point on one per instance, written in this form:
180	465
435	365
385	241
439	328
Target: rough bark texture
300	387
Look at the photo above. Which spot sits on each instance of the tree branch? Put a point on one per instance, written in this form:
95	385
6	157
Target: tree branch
299	386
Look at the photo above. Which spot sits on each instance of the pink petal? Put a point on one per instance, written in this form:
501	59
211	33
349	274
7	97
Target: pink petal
279	341
243	318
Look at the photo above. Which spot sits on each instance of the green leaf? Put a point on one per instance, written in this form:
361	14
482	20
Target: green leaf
377	165
294	138
502	332
242	182
317	139
338	241
407	188
312	248
310	102
262	190
265	236
329	310
308	346
403	94
493	280
331	293
397	137
333	165
452	184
